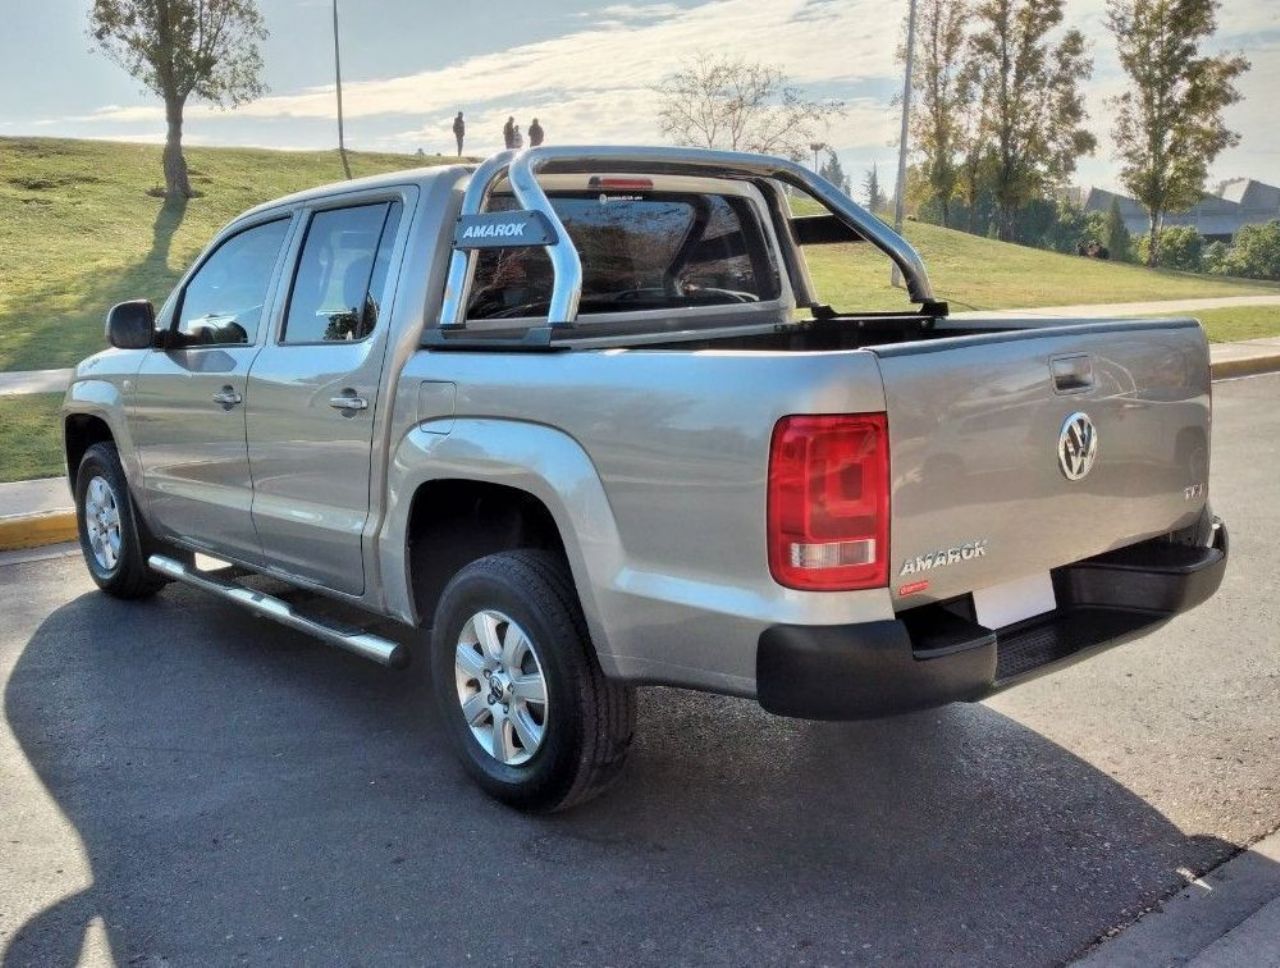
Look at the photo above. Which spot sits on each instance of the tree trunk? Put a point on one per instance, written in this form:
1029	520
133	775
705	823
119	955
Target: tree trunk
1153	240
176	182
1007	217
946	212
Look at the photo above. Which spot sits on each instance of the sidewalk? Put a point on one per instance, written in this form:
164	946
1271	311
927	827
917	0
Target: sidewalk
36	513
34	381
1230	918
18	382
1245	358
1107	310
34	497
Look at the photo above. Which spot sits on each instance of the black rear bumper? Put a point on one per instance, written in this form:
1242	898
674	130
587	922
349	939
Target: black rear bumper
934	655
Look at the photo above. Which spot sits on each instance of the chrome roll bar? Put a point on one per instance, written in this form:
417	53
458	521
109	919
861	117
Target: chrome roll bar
522	169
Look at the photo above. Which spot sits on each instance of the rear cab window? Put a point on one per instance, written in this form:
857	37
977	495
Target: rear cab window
649	250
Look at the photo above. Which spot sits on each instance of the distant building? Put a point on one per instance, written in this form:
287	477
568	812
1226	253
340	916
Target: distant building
1239	202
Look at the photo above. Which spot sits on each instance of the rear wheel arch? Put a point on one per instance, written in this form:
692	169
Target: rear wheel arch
455	521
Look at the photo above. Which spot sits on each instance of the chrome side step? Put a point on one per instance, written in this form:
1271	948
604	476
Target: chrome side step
380	650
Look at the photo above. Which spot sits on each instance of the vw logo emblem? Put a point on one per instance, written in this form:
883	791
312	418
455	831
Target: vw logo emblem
1077	446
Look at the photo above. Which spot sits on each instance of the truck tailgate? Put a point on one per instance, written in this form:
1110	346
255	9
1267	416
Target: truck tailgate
980	495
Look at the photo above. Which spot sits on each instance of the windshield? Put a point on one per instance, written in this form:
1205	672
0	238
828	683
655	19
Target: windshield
657	250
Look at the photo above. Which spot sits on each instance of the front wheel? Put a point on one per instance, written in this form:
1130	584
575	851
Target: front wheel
110	536
524	702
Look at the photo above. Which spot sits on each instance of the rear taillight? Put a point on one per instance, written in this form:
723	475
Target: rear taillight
829	502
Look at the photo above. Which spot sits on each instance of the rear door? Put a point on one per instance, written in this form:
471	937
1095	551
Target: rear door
313	393
995	475
187	412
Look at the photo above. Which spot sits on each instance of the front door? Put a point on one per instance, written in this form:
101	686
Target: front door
187	411
313	393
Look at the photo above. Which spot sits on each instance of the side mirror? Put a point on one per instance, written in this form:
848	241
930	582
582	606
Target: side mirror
132	325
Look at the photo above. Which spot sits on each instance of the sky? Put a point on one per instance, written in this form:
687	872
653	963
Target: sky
585	68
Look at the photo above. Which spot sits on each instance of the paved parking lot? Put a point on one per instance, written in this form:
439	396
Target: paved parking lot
181	783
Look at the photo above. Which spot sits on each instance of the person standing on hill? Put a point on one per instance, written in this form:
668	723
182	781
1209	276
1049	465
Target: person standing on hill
459	131
509	133
536	134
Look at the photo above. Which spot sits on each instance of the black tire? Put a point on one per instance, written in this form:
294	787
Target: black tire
128	576
589	719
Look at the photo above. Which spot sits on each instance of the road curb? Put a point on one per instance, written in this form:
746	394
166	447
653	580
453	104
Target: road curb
1215	915
1245	366
19	531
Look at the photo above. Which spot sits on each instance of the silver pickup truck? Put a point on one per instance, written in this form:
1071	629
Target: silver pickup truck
580	416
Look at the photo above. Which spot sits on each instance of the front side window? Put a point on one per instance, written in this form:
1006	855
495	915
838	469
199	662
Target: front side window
341	275
654	251
223	302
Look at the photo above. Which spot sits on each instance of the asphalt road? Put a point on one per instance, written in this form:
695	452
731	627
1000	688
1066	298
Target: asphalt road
181	783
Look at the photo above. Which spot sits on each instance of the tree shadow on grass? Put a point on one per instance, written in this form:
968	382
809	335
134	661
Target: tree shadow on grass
80	331
246	795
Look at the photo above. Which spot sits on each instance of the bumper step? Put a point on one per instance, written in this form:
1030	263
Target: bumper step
931	655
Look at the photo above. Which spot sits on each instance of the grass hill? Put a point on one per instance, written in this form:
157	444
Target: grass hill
81	229
977	273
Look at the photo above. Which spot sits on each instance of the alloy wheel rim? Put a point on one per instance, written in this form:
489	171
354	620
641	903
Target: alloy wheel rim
102	523
501	688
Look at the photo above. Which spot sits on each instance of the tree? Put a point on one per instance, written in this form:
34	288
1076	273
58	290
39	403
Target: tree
180	49
1029	89
1169	126
942	84
834	173
1255	252
871	187
976	165
1183	248
1117	238
726	102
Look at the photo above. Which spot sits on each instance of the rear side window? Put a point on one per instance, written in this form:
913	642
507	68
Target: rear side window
222	304
342	274
652	251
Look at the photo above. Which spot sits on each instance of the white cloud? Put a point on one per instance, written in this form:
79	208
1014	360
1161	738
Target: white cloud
593	83
633	11
831	44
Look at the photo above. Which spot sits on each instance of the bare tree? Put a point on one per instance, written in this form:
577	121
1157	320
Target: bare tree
1169	125
184	48
726	102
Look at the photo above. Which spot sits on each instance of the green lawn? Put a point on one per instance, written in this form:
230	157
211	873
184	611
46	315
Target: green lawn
30	438
977	273
1239	322
79	231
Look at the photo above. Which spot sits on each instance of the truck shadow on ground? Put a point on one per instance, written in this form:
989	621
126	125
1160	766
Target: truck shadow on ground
243	794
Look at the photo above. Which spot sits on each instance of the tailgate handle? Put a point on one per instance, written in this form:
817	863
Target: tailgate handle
1072	373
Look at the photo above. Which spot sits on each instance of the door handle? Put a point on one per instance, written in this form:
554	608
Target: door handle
349	401
227	397
1072	373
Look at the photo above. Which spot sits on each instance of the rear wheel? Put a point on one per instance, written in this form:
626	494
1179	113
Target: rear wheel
110	534
525	704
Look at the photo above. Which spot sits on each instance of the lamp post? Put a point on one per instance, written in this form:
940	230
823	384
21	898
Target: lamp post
337	74
815	147
900	192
